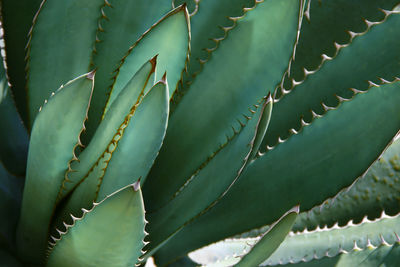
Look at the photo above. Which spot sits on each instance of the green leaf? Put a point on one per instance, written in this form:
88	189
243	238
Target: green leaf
217	101
120	220
54	138
210	23
392	258
13	135
203	190
16	19
271	240
60	47
10	203
330	22
121	24
169	39
247	252
332	241
368	57
372	193
121	110
130	156
384	256
294	170
141	142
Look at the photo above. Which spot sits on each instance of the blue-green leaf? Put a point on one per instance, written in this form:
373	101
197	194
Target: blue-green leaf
120	25
110	234
129	155
54	138
60	46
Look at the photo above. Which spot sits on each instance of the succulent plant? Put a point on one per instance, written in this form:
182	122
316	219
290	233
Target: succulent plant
200	132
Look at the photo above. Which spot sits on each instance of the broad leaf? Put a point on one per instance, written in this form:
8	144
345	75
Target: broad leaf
120	25
210	23
294	170
212	180
333	241
123	108
247	251
110	234
368	57
130	153
54	138
371	194
242	70
60	47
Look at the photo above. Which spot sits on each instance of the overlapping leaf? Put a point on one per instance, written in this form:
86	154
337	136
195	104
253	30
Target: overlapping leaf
60	46
212	180
54	138
333	241
369	55
128	154
128	25
110	234
223	91
376	191
320	158
16	18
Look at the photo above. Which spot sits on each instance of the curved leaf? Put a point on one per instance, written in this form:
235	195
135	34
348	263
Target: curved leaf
327	23
125	104
128	158
332	241
384	256
294	170
270	240
213	179
55	136
169	39
247	252
60	47
120	220
376	191
216	102
121	23
210	23
368	57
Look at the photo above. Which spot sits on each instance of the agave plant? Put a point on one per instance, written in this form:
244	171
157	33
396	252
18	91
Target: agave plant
191	131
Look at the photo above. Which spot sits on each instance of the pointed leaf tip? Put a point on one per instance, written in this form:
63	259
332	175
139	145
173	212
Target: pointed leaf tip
296	209
91	75
164	78
184	8
136	185
153	62
268	98
181	7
